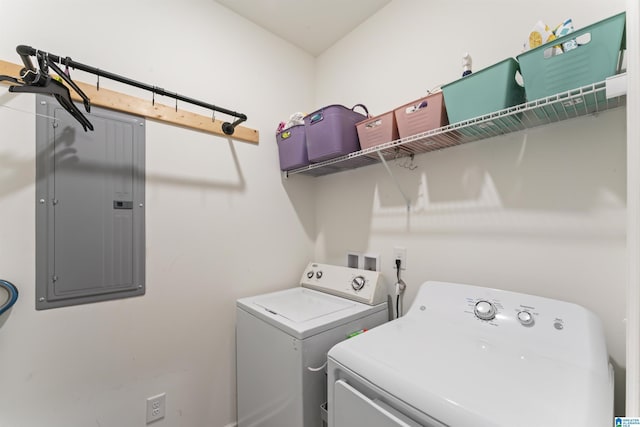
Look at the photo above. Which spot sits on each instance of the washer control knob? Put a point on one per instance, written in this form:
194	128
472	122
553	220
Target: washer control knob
310	274
525	318
484	310
358	283
319	274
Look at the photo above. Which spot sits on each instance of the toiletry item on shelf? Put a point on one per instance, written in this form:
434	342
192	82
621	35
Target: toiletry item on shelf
294	120
539	35
562	30
466	64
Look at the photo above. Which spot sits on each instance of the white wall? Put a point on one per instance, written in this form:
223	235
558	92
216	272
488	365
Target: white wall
540	212
221	223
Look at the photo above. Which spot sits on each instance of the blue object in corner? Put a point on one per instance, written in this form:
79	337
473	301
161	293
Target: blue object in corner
13	295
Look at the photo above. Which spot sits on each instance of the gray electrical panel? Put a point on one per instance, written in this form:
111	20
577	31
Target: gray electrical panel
90	228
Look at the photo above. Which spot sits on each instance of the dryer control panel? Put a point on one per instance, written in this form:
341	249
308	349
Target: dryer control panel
510	322
352	283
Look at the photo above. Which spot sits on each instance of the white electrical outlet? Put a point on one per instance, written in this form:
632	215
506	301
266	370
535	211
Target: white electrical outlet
401	254
155	407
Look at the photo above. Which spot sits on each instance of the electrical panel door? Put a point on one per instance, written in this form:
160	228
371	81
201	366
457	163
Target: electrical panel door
89	207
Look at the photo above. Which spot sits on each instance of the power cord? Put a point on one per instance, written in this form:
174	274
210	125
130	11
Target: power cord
400	287
318	369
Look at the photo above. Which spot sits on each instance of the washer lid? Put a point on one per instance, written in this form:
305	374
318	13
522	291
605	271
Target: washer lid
302	312
305	306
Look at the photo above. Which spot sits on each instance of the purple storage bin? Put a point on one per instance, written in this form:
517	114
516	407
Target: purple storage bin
331	132
292	148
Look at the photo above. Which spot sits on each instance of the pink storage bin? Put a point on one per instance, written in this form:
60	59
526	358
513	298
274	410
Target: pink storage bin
421	115
377	130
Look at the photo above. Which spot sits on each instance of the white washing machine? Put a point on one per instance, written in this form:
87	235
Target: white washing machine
469	356
282	340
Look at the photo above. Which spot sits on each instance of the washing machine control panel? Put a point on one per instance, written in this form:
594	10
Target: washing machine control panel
359	285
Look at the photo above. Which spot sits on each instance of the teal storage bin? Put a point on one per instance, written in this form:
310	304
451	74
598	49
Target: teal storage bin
591	62
491	89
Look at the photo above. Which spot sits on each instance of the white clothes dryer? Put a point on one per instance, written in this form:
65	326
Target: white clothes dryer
282	340
468	356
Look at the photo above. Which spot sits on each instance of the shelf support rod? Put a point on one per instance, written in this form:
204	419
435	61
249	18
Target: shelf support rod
395	181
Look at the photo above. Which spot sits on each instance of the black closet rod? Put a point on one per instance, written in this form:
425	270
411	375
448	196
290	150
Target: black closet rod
26	51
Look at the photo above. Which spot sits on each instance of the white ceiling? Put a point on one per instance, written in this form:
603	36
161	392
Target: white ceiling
311	25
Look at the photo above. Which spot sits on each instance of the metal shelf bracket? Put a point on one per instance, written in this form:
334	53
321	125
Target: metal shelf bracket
395	181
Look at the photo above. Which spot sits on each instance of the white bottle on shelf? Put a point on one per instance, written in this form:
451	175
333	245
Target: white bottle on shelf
466	64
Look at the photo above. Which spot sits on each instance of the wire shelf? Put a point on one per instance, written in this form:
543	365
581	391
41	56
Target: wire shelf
563	106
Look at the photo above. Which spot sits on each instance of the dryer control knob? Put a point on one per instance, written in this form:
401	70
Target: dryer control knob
525	318
484	310
310	274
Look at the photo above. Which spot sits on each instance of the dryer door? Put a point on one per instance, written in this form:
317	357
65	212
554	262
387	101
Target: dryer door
352	408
